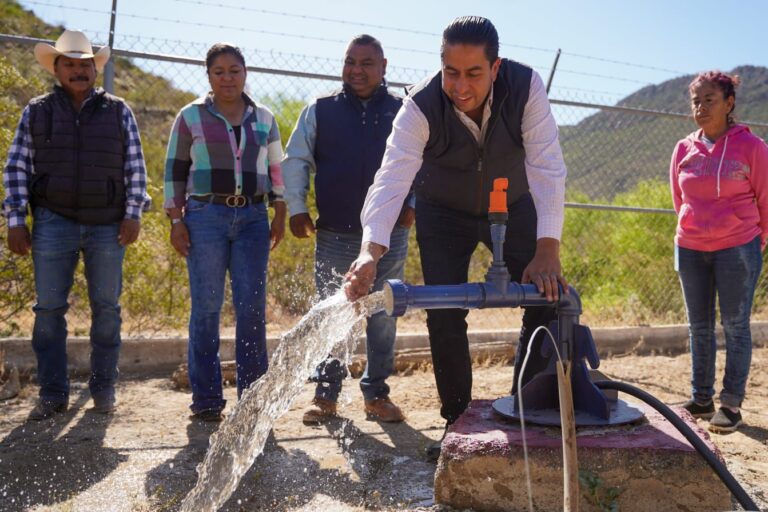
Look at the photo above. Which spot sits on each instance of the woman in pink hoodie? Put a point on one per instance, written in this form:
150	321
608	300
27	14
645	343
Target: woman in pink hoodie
719	180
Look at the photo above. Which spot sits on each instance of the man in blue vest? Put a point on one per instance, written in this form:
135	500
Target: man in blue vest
479	118
341	139
76	159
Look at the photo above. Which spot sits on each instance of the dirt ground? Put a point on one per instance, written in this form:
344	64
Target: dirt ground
143	457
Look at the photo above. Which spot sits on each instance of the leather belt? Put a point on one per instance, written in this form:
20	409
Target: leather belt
233	201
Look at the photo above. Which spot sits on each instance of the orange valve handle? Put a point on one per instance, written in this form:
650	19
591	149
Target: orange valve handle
499	196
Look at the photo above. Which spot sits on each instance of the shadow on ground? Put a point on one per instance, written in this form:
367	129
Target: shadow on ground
37	461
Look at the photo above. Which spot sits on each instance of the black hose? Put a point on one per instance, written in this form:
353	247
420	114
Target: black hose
730	482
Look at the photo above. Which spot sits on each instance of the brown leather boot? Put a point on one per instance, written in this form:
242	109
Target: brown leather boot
321	411
382	409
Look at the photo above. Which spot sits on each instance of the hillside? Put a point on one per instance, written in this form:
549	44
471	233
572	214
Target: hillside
152	284
153	98
610	152
672	95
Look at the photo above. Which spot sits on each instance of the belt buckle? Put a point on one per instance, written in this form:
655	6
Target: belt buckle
236	201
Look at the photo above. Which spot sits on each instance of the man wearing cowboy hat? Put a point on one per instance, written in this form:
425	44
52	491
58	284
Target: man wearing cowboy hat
76	159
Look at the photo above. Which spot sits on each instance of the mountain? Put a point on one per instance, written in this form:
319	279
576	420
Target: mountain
672	95
610	152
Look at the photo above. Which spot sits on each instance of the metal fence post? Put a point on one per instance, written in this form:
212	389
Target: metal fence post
109	69
552	73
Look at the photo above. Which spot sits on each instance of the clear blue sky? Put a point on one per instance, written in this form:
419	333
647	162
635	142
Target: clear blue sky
677	36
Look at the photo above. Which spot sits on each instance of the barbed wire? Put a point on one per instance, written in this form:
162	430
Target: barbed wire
623	63
592	91
606	77
226	27
306	17
359	24
346	22
270	52
541	67
273	52
420	32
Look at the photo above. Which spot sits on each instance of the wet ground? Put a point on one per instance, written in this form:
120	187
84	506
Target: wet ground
143	457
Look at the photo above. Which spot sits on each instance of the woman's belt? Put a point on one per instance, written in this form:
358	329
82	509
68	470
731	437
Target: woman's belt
233	201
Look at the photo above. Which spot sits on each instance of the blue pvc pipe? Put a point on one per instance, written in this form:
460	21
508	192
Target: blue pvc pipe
400	296
498	233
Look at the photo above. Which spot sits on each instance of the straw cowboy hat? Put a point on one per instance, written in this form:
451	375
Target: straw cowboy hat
73	44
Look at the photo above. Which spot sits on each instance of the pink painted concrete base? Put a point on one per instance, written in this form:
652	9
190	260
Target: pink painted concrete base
644	467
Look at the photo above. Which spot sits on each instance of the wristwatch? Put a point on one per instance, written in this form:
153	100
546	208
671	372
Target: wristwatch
176	221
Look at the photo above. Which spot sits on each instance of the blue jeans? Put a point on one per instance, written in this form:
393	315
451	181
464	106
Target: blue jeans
235	240
732	275
334	253
56	246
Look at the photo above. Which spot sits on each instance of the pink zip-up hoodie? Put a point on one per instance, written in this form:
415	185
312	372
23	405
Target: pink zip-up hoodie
720	195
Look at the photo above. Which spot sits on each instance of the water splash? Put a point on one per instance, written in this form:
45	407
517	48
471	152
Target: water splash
332	326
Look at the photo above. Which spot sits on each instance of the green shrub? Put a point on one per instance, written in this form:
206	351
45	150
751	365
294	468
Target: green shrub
622	262
16	283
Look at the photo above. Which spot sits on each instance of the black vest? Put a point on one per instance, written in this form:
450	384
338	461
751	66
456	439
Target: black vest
78	159
349	146
455	172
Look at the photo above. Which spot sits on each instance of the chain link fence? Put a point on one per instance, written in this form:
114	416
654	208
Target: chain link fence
617	247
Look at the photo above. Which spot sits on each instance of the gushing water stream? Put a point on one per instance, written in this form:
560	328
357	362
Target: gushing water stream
332	326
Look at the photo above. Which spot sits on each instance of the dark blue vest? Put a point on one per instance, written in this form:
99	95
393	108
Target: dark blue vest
349	146
78	157
455	173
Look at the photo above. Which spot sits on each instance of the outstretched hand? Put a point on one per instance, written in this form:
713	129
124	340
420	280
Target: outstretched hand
362	273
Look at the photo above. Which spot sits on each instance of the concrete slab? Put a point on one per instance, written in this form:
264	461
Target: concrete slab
649	466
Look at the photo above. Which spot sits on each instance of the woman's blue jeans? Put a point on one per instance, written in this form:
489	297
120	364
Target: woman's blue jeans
56	246
235	240
731	274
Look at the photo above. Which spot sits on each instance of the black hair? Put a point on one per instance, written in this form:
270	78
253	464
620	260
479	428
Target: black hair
474	30
220	49
367	40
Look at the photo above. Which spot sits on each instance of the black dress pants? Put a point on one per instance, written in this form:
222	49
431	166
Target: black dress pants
447	238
